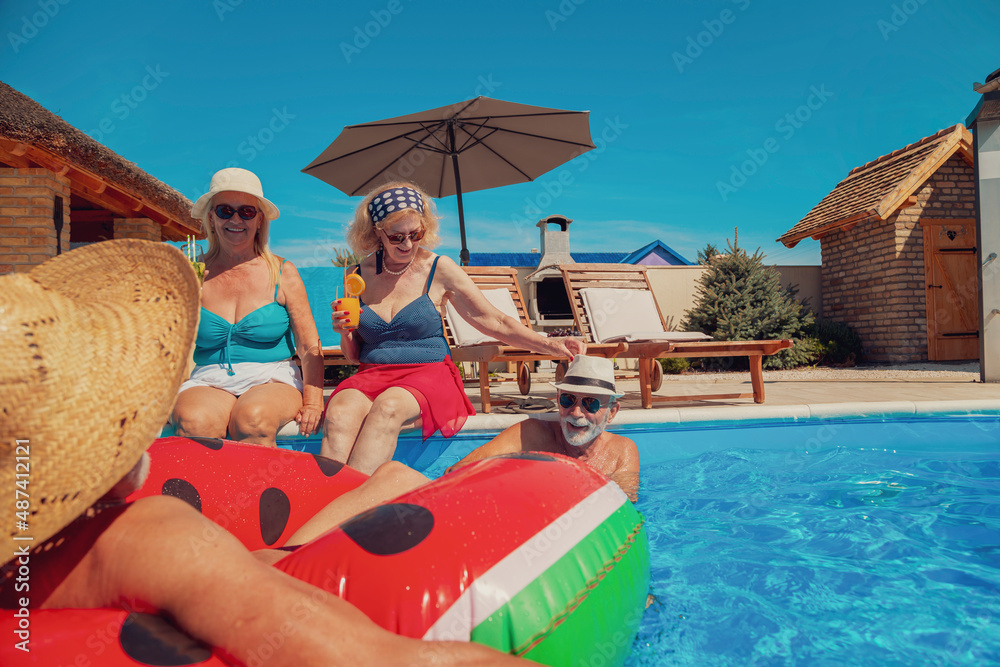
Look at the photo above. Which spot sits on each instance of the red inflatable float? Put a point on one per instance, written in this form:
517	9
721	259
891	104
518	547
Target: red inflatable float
535	555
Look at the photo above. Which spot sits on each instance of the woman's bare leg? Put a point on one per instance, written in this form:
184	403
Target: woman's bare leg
262	411
202	412
376	442
345	414
390	480
163	553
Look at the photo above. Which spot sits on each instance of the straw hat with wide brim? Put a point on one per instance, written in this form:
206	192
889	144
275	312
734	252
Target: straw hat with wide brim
233	179
93	346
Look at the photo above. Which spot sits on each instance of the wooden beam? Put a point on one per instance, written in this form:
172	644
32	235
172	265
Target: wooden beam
846	223
91	215
103	193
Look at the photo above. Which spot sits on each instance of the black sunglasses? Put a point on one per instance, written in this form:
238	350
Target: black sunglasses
588	403
225	211
396	239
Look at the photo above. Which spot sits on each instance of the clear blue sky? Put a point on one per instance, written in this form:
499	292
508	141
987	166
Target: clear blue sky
686	93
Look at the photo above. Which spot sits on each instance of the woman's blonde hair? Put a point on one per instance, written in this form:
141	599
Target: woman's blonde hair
362	237
260	247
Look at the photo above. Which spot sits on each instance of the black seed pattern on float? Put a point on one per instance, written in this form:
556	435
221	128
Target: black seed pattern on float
150	639
390	529
275	508
183	489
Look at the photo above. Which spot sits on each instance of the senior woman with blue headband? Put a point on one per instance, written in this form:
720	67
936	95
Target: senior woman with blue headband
406	373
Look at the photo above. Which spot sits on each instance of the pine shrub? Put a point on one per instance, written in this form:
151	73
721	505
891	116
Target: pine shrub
740	298
836	342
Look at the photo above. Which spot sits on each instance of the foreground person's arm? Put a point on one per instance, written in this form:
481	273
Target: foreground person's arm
163	553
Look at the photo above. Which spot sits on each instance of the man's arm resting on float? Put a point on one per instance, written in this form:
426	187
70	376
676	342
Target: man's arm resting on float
510	440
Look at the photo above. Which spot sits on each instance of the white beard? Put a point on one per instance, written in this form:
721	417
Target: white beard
583	438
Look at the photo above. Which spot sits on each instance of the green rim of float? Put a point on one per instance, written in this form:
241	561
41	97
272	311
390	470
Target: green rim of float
588	568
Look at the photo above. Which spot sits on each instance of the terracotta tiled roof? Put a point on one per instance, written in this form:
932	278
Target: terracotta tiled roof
23	120
877	189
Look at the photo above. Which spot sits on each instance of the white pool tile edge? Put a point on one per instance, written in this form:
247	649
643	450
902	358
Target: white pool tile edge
492	423
812	411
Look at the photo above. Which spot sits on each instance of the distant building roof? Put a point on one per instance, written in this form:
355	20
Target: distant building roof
876	189
660	249
530	259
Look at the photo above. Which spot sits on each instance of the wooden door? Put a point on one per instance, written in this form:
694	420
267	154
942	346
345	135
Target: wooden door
952	284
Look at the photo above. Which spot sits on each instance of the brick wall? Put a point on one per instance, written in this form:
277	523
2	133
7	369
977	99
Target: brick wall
137	228
27	202
873	275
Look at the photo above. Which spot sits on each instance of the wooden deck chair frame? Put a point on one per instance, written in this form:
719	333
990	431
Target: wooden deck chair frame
624	276
494	277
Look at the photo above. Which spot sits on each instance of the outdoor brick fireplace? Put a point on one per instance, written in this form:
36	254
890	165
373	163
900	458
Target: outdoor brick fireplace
548	304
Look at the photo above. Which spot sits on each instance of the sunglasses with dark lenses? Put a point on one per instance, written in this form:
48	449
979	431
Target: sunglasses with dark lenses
588	403
396	239
225	211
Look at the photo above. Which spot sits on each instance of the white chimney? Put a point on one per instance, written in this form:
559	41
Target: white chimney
555	241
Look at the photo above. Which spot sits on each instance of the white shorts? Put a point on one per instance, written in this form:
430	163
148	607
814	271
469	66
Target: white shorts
248	374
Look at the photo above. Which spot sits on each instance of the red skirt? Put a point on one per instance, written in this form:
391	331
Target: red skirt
450	406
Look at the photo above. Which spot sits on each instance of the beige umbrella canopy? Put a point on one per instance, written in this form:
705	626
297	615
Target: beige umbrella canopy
496	143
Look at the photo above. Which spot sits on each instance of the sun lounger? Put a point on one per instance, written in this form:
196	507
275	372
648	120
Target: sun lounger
500	286
614	302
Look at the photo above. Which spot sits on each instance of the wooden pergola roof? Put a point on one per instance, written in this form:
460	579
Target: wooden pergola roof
874	191
32	137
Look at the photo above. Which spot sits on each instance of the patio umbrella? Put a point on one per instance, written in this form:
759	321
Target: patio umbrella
496	142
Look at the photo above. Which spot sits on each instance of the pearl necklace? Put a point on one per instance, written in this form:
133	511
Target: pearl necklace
402	270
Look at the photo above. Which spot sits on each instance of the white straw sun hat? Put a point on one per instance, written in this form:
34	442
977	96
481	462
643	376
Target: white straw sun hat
93	346
233	179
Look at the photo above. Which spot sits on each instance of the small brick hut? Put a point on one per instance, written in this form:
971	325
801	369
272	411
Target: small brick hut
60	187
898	251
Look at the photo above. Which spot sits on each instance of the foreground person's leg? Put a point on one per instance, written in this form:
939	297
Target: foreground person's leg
392	479
164	553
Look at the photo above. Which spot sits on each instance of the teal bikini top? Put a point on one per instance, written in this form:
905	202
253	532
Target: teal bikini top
263	335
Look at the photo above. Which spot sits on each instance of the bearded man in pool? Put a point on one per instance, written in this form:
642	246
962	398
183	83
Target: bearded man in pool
587	402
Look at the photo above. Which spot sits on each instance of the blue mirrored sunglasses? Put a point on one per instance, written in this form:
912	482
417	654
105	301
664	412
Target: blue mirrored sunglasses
588	403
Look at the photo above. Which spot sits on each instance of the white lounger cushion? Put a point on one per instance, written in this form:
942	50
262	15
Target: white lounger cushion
465	333
628	314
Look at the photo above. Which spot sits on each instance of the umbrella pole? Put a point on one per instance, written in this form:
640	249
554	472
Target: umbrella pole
464	255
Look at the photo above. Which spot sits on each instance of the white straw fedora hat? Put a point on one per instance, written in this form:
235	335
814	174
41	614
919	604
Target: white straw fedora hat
589	375
93	346
233	179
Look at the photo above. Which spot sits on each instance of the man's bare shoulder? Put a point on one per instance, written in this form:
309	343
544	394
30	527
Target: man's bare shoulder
619	440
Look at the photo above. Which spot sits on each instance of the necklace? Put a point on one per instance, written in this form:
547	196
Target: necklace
402	270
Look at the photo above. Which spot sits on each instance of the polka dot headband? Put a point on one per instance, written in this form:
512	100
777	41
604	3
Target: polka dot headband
394	199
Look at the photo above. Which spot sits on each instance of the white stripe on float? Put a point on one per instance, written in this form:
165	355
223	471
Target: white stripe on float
527	562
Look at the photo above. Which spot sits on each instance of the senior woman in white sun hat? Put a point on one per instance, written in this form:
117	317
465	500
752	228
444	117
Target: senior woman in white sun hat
254	316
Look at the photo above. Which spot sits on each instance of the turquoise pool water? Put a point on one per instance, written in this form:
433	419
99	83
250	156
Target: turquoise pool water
860	542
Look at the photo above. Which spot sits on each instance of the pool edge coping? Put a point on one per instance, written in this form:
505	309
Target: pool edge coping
760	413
494	423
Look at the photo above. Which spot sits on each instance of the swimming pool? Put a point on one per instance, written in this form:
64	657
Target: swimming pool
836	541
